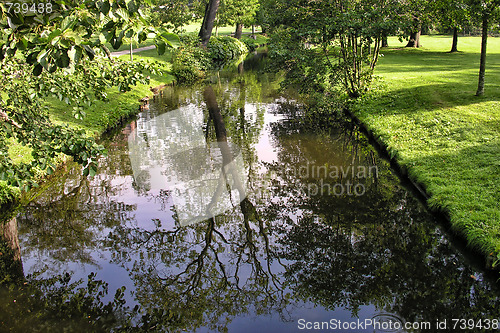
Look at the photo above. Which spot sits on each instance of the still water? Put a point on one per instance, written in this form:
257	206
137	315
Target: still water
324	236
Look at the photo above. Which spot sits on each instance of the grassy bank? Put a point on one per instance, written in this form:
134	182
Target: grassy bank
99	117
103	115
424	111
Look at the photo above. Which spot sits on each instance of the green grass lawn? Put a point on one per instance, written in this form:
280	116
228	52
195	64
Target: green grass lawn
423	108
194	27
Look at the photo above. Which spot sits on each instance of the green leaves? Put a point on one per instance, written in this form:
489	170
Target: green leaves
62	59
75	54
165	39
58	55
104	7
123	13
330	45
73	23
37	70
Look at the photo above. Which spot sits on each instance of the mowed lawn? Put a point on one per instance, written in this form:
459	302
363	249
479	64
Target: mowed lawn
423	108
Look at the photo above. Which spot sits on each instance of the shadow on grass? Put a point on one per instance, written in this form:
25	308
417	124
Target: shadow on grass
395	60
432	97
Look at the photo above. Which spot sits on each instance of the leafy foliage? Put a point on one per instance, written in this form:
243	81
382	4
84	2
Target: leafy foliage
57	53
190	61
72	30
452	14
175	14
225	48
342	37
237	11
8	193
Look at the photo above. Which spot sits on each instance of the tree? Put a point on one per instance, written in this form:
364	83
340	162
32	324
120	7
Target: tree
452	15
330	43
175	14
208	21
57	49
487	10
262	16
238	12
416	15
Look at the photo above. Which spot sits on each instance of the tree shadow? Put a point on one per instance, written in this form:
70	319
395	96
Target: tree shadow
414	60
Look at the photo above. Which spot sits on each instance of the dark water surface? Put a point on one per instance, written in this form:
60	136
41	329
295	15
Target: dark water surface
326	233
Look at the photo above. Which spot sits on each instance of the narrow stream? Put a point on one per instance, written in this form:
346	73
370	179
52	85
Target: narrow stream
324	237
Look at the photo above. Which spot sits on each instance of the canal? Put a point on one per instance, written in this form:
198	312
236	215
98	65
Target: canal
219	209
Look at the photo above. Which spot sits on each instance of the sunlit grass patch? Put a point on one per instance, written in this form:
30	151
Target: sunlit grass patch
425	112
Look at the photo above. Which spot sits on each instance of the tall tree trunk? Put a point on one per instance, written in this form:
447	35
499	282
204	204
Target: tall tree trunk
482	66
385	43
454	45
414	39
208	22
239	31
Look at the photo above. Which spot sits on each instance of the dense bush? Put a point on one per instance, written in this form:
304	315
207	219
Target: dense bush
225	48
189	64
190	39
8	193
190	61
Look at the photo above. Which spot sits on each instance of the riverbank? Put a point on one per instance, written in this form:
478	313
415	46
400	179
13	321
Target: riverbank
102	115
105	115
423	110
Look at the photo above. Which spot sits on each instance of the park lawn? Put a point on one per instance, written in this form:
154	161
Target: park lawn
103	115
423	109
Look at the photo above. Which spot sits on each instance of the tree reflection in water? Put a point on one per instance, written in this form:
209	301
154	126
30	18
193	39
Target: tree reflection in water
287	247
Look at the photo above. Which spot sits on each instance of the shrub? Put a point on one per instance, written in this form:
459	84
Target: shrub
225	48
8	194
190	39
189	64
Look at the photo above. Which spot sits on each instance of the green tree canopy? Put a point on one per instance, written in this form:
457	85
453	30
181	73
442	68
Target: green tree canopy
232	12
